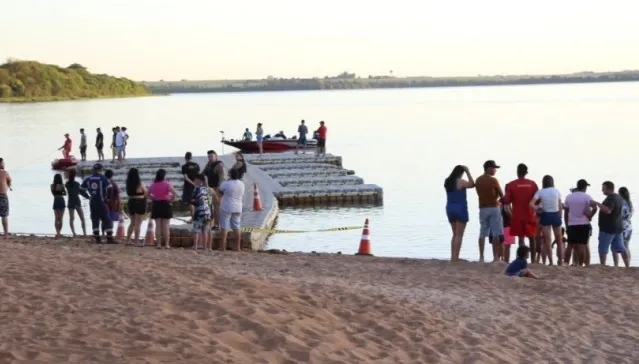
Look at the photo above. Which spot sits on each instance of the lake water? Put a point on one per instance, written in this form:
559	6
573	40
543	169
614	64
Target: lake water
405	140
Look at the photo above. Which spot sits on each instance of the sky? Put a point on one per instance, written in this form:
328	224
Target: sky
245	39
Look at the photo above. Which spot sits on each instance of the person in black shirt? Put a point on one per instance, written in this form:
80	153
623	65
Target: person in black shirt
214	175
610	224
190	169
99	144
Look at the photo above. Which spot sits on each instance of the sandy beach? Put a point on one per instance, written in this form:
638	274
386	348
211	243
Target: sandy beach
70	302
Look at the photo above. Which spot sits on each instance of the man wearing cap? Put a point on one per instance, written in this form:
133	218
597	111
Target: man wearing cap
523	223
489	193
100	190
66	147
577	215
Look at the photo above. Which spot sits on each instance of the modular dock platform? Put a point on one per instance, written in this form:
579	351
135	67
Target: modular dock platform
283	180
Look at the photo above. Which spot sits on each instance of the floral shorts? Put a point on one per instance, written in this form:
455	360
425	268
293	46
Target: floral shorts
201	224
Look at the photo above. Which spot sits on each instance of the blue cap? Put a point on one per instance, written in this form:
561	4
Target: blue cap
97	167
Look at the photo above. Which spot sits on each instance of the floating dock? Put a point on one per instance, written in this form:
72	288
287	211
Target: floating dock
284	180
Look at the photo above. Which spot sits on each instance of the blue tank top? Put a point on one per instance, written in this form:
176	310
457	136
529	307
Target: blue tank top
456	197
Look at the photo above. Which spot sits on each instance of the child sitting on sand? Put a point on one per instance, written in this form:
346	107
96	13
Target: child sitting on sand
519	266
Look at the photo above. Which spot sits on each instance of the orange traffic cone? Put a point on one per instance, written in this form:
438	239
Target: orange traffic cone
149	239
257	203
120	232
365	243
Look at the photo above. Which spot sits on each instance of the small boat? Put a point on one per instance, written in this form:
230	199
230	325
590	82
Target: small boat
63	163
268	145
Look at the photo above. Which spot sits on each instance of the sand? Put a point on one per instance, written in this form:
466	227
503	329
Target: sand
71	302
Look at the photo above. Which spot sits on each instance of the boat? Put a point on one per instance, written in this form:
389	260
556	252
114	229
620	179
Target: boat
268	145
63	163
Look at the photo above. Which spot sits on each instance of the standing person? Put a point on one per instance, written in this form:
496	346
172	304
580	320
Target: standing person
202	217
115	131
73	204
507	240
162	193
247	136
214	175
457	206
66	147
120	138
548	201
611	224
136	191
240	164
125	141
627	210
321	140
577	215
99	189
59	205
232	192
83	145
5	186
114	204
302	130
99	144
489	193
523	224
190	169
259	137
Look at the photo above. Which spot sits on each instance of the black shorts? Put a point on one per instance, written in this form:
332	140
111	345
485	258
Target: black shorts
187	193
161	210
99	148
83	150
321	143
136	206
579	234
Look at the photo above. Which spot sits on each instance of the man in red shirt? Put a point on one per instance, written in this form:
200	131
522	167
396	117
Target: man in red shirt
66	148
519	193
321	139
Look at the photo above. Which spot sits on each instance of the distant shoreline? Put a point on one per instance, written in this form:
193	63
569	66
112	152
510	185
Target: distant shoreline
29	100
352	82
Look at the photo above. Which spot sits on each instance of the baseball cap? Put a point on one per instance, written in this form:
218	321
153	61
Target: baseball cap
97	167
582	183
490	164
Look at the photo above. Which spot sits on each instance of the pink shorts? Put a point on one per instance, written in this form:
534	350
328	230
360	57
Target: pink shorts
508	239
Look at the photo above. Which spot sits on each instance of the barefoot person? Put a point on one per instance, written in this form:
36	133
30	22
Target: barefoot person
519	266
523	224
577	215
232	192
321	140
137	193
548	201
611	225
59	205
302	130
489	192
66	147
99	144
201	200
259	137
457	206
627	210
162	194
73	204
5	187
190	169
83	145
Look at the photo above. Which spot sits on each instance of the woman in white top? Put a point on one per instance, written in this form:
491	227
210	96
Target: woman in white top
547	202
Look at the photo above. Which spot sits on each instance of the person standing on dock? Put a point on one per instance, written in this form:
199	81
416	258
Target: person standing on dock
321	140
120	140
5	187
99	144
115	131
232	192
489	193
190	170
214	174
302	130
99	189
125	141
66	147
83	145
259	136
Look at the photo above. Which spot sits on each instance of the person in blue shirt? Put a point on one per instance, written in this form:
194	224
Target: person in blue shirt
100	190
519	266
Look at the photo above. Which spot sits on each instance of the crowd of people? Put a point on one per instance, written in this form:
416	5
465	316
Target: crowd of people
119	141
302	137
523	211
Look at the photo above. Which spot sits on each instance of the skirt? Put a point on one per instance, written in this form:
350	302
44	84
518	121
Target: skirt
161	210
59	203
136	206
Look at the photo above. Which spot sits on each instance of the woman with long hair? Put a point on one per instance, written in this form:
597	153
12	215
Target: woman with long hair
457	206
162	194
73	204
547	202
240	164
259	136
627	210
59	205
137	193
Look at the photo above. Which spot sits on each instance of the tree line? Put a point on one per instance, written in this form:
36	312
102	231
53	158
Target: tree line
34	81
352	81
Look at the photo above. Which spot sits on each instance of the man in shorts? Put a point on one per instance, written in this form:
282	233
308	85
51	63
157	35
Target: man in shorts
577	215
321	140
190	169
302	130
610	224
201	200
489	193
5	187
523	224
99	144
232	192
83	145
